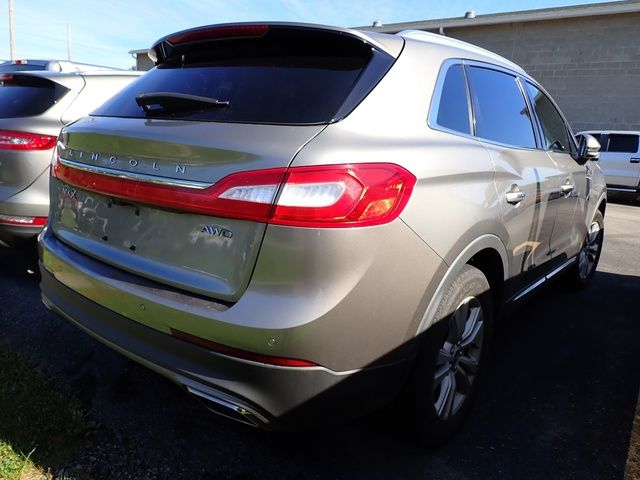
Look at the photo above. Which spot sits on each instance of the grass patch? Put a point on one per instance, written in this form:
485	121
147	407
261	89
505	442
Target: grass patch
39	427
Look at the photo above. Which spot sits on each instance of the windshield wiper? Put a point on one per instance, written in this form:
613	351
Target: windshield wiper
177	102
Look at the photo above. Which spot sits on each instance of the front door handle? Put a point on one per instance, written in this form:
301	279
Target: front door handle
635	160
567	189
515	198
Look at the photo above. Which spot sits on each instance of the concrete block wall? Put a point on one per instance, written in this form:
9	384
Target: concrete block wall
589	65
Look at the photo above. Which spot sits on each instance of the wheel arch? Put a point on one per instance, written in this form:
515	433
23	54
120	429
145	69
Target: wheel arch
488	254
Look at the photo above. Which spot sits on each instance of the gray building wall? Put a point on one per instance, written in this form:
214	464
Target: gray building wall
143	62
589	65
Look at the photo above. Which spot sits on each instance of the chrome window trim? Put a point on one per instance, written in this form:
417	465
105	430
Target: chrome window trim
140	177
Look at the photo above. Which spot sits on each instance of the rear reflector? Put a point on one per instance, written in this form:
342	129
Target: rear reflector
11	140
23	221
235	352
351	195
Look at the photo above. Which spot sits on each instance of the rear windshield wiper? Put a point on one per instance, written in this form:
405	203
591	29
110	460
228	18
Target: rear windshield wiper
177	102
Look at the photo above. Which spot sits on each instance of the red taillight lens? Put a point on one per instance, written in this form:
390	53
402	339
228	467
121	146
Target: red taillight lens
23	221
214	33
343	195
206	201
244	354
323	196
11	140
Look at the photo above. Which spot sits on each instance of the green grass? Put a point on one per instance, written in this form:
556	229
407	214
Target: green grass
39	427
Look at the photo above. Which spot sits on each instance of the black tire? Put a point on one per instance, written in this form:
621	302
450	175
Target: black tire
437	420
581	273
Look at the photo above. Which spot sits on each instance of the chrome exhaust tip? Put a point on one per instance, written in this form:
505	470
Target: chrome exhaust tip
228	408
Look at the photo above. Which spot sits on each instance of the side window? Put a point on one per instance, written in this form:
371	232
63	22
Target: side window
623	143
453	108
555	131
500	110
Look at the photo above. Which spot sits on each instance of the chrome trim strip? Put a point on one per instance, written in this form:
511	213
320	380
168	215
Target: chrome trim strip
560	268
529	289
542	280
615	189
140	177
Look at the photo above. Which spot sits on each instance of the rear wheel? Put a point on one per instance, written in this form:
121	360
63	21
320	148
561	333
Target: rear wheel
589	255
446	374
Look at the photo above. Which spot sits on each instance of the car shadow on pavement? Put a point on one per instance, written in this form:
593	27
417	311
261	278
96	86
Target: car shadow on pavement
557	401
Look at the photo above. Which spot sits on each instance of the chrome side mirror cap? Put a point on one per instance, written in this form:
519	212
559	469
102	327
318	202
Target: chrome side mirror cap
588	148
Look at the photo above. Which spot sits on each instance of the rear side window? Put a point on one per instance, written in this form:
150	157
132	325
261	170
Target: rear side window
500	110
453	108
26	96
622	143
554	130
282	77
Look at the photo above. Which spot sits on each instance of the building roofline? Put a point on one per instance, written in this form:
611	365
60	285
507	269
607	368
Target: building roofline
555	13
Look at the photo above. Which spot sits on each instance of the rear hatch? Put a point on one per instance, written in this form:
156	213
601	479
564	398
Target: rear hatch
155	182
29	123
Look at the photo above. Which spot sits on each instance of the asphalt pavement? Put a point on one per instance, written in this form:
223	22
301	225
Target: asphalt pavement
558	400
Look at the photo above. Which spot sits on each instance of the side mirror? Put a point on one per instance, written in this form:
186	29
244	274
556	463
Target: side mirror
588	148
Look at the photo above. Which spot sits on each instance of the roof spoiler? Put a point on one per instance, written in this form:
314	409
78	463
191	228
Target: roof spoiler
166	46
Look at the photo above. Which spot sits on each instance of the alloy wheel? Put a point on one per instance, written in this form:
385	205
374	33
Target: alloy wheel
458	358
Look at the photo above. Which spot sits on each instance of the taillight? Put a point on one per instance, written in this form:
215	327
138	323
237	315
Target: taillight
11	140
324	196
20	220
343	195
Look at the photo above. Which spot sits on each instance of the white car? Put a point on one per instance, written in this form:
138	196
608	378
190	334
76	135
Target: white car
619	159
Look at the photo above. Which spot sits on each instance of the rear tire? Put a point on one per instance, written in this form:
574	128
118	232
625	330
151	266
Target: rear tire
451	360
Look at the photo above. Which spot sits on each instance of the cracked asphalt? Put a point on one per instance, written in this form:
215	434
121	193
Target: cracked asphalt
557	402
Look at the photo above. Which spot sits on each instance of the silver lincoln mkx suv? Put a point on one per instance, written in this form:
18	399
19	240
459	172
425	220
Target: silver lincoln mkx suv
298	222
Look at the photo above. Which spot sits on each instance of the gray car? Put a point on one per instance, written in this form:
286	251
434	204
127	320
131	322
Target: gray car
298	223
34	106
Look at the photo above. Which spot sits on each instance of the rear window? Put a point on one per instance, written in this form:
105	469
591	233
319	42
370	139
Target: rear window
453	109
283	77
622	143
26	96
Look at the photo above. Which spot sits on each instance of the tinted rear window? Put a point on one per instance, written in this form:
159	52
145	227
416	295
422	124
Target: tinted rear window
25	96
453	110
283	77
623	143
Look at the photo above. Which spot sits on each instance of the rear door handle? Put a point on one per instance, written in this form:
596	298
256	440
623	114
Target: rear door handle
515	198
635	160
567	189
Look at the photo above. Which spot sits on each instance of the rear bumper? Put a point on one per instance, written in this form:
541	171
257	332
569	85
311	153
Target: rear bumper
30	202
14	235
255	393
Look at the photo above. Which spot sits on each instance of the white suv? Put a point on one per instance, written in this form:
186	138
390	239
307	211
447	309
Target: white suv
620	159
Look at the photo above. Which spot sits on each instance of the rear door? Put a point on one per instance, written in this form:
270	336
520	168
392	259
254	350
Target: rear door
522	171
174	177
